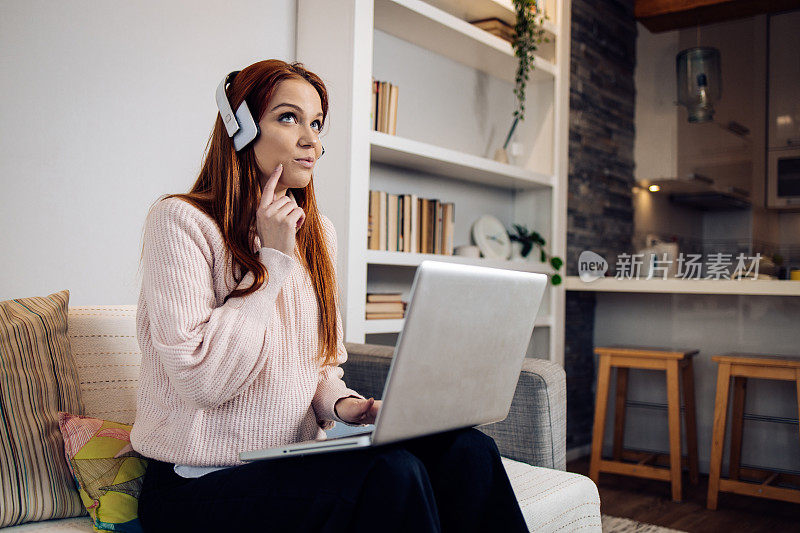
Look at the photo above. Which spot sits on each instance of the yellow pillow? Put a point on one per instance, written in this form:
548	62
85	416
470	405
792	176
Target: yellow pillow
107	471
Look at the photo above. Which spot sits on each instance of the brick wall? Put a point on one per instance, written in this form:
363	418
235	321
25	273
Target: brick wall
599	205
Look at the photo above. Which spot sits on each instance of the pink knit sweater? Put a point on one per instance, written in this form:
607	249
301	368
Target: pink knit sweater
217	379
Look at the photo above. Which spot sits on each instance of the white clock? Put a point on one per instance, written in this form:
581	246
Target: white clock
491	237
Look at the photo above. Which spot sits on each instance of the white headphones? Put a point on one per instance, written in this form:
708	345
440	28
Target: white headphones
241	125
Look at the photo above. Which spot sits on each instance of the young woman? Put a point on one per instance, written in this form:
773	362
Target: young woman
241	342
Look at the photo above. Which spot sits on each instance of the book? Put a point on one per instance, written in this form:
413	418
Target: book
373	115
439	227
384	296
432	226
385	307
407	223
382	245
414	224
401	236
449	227
386	87
391	222
496	27
392	119
384	316
424	213
373	237
381	92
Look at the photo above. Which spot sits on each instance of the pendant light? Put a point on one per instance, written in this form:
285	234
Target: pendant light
699	81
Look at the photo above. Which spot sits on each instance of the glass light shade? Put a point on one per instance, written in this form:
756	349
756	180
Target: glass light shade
699	81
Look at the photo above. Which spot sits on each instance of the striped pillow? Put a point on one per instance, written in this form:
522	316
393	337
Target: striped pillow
38	378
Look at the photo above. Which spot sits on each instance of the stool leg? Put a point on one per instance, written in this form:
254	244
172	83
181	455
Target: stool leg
718	439
600	404
619	415
797	380
674	416
737	421
690	419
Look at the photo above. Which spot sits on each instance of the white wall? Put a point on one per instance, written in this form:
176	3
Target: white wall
107	105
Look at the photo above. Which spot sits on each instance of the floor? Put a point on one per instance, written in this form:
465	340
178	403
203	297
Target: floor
650	501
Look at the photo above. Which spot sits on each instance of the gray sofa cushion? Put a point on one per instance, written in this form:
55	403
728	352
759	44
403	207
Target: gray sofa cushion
534	431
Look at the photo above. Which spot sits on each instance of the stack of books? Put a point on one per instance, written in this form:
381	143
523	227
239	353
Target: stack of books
383	306
497	27
407	223
384	106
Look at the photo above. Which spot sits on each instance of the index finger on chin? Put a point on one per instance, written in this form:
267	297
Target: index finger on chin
272	183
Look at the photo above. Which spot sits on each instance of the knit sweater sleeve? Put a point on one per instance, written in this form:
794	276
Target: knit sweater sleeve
210	353
331	387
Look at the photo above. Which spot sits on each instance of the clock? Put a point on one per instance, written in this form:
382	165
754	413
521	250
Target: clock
491	237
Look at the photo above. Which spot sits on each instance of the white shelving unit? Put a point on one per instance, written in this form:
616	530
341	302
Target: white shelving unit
339	41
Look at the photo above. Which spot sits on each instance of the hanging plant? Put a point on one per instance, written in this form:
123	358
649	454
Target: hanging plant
529	35
529	239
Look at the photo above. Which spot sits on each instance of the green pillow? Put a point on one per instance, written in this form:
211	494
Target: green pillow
107	470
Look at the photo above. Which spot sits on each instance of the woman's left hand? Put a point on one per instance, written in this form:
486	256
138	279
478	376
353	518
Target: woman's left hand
358	411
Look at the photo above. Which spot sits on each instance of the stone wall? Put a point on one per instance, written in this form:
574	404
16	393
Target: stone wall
599	205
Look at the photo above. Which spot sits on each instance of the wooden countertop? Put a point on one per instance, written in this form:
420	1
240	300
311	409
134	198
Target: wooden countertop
687	286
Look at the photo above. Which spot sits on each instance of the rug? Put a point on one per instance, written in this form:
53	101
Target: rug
613	524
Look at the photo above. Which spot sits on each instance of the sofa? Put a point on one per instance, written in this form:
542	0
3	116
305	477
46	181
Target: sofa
531	440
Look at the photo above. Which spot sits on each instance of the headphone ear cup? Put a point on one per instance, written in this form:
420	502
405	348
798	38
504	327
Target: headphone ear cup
248	128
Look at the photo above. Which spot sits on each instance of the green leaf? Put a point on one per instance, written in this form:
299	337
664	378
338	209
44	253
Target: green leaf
556	279
556	262
542	256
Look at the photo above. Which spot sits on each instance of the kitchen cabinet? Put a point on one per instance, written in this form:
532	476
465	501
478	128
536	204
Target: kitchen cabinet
784	80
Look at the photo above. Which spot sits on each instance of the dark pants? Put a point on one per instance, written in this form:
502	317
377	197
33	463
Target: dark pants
451	481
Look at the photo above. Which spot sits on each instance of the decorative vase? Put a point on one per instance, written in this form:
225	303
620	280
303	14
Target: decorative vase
516	251
501	156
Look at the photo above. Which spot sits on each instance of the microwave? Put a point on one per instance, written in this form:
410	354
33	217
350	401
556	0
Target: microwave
783	178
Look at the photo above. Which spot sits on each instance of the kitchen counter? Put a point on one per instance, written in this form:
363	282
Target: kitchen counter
714	317
687	286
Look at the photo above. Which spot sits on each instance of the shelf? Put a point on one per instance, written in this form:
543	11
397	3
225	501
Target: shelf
486	9
382	257
394	150
383	326
447	35
396	325
687	286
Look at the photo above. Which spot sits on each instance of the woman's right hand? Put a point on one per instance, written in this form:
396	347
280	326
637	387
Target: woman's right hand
277	221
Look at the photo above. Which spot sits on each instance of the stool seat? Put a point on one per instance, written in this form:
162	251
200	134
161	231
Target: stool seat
677	363
788	361
645	351
740	367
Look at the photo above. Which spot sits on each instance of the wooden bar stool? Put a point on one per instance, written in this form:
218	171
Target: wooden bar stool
741	366
674	362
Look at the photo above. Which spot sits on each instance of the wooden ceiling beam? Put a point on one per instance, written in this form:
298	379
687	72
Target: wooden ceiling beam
666	15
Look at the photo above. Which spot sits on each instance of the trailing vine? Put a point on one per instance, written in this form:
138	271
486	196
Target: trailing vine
529	35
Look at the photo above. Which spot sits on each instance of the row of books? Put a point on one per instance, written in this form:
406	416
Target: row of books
407	223
382	306
384	106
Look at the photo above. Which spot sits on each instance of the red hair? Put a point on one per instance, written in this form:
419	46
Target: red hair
228	190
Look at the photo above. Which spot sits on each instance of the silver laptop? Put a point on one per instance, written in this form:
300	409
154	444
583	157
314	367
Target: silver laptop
457	360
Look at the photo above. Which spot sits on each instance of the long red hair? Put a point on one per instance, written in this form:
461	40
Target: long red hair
228	190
